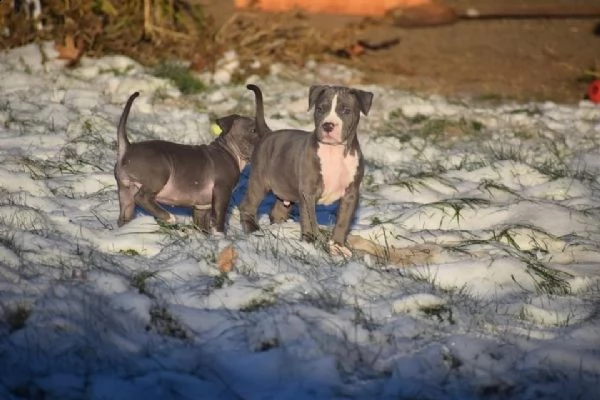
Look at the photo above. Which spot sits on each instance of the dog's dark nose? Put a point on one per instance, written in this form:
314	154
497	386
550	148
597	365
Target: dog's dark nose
328	127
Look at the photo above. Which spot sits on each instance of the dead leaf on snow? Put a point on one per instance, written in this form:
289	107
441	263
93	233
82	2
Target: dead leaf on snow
227	258
70	51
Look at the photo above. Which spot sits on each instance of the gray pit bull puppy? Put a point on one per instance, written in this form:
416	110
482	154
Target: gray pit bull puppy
311	168
198	176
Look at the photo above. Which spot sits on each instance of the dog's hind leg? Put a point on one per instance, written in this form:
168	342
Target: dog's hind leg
147	200
249	206
280	212
126	203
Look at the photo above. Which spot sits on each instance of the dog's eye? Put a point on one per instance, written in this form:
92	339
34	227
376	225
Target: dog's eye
252	130
319	109
346	110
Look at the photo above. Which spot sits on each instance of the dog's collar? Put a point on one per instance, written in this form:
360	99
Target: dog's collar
341	143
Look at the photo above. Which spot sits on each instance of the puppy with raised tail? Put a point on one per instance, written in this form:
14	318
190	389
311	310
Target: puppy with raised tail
198	176
310	168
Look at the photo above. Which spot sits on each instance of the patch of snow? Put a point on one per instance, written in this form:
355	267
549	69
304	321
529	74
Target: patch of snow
504	303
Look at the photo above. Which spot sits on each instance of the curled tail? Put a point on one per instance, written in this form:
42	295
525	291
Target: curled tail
122	141
260	111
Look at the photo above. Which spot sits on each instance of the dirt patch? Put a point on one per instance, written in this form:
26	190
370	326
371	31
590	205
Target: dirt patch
535	59
544	59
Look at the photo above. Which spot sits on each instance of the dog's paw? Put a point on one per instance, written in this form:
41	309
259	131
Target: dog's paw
309	237
172	220
124	219
249	226
169	222
336	249
258	233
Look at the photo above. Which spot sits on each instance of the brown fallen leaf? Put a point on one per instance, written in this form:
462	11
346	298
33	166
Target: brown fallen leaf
71	51
227	258
356	49
198	64
350	51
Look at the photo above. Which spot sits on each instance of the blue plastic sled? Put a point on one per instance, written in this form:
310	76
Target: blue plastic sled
326	215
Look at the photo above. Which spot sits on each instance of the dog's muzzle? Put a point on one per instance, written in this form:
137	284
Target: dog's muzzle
328	127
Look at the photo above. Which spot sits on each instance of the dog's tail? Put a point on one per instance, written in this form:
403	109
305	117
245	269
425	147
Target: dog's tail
122	141
260	110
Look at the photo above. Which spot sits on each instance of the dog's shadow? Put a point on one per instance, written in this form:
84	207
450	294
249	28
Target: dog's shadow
326	215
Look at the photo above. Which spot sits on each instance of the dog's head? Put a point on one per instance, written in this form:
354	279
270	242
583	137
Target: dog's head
239	134
337	112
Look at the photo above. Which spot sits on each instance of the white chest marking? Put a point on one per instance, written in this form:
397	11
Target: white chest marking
337	172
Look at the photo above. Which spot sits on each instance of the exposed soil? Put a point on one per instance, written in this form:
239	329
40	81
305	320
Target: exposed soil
527	59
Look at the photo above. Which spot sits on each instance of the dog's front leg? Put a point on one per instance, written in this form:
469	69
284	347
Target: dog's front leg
346	210
126	203
308	217
201	216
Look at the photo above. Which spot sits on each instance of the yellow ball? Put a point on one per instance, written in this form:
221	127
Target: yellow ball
215	129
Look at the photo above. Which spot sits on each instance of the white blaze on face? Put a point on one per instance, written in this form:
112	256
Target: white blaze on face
335	119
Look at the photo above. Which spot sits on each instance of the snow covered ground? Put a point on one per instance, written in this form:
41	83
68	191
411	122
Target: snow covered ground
505	305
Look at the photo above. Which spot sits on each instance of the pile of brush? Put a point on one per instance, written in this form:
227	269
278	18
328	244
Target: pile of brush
155	31
288	39
149	31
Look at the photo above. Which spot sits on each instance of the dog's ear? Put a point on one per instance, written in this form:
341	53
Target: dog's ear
225	123
364	100
313	94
